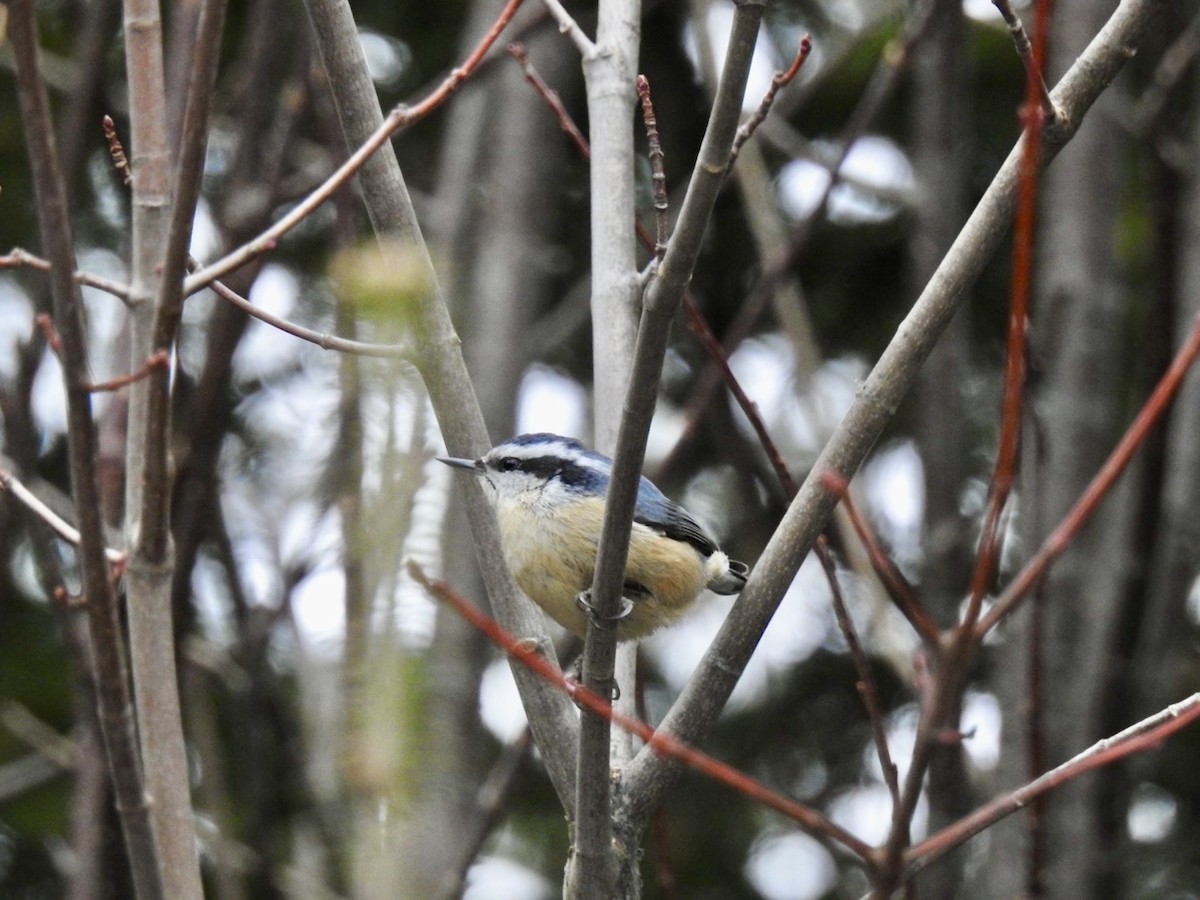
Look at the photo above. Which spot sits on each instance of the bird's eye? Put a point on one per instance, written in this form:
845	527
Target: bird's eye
509	464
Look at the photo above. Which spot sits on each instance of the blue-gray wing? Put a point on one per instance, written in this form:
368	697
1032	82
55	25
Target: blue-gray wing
655	510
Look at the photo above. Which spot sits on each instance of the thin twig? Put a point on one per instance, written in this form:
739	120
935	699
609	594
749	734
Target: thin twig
898	588
45	322
568	26
866	684
57	523
658	742
551	98
780	80
403	350
1034	65
1004	473
658	175
17	258
1144	735
160	359
116	150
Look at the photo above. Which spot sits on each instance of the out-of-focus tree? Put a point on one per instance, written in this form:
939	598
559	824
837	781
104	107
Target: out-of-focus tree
231	685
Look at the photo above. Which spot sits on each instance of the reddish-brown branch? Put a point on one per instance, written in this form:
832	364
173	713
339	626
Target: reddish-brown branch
661	743
1144	735
1018	315
780	80
551	98
158	359
45	322
658	175
117	150
866	684
1061	537
898	588
1030	58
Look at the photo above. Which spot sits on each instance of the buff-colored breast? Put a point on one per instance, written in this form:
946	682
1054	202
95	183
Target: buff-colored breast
551	552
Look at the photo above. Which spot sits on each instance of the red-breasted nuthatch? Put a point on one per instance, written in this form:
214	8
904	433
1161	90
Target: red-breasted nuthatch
548	492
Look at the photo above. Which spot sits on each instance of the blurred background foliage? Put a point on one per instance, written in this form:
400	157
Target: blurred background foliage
326	700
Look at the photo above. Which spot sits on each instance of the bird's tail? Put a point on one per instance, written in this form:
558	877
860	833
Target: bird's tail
728	576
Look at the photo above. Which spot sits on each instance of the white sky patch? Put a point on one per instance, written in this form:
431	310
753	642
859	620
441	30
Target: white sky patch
498	878
985	11
799	627
500	704
791	867
1152	814
387	58
550	401
16	324
49	399
211	598
259	572
866	812
719	23
894	484
1193	602
319	607
981	720
265	349
206	241
799	417
874	170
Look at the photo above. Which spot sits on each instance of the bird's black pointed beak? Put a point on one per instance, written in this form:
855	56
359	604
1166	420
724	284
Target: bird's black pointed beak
472	465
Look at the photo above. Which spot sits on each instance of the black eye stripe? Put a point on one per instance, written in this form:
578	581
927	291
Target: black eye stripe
550	467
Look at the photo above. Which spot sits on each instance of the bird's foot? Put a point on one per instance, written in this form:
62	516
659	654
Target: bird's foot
584	601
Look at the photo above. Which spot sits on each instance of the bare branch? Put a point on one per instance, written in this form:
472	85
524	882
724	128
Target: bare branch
551	98
1034	63
17	258
568	26
117	151
1004	473
866	684
325	341
1144	735
57	523
658	173
159	359
780	80
899	590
